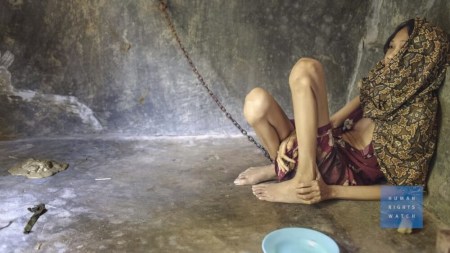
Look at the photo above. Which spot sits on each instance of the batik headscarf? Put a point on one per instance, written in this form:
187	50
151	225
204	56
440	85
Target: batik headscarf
401	97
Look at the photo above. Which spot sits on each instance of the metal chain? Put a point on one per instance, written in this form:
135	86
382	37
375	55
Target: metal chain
163	7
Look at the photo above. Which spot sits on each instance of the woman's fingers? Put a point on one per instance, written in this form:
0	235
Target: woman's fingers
287	159
282	165
290	143
287	144
308	187
286	163
281	150
309	196
295	155
310	184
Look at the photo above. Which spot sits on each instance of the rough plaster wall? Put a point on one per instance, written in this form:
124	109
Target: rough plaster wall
37	110
119	59
384	16
439	180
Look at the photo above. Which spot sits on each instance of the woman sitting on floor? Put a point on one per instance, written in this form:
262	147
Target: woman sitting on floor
388	132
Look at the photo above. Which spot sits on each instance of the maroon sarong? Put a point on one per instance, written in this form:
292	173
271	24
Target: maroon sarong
338	162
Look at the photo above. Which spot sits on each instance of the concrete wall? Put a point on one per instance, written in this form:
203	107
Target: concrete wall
113	66
439	180
118	60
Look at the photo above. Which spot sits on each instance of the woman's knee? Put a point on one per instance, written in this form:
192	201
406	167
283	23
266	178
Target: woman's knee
256	105
305	73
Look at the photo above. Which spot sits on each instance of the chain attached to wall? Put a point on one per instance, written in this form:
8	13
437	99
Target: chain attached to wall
163	7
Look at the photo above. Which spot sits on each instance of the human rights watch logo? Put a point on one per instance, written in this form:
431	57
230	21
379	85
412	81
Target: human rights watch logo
401	203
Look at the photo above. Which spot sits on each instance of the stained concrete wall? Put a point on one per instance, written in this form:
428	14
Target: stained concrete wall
113	66
119	60
439	179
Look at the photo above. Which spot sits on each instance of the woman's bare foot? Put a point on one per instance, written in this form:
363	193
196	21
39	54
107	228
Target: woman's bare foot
285	192
254	175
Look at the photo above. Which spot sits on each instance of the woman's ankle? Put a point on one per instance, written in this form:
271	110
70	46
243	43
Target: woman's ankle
306	171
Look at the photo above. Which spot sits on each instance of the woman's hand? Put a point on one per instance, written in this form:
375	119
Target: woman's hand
286	163
314	191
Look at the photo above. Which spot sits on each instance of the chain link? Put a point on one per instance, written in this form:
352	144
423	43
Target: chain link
163	7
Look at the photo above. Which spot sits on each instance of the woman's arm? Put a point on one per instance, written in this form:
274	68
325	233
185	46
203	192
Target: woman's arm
338	118
317	191
367	192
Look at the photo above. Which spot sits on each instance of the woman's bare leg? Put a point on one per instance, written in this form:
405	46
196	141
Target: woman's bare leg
271	126
310	103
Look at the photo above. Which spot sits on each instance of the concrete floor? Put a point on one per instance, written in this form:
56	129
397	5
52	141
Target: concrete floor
168	195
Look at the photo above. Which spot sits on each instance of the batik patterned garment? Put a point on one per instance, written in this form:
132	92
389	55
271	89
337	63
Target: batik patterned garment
401	97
